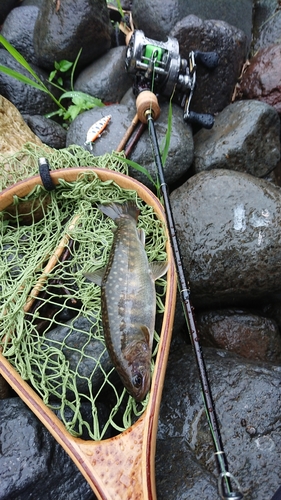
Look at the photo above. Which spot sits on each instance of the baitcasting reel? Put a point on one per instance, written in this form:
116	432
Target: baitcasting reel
158	66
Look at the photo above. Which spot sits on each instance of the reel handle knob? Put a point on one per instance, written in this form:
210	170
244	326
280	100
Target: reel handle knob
209	59
147	101
204	119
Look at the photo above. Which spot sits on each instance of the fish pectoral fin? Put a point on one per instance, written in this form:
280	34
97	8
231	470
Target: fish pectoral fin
158	269
146	334
97	276
141	235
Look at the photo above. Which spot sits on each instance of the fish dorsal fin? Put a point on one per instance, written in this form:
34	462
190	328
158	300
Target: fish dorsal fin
158	269
97	276
141	235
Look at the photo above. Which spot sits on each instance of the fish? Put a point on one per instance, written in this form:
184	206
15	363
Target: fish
96	129
128	299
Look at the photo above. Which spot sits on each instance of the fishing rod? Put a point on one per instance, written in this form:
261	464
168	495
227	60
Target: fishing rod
159	64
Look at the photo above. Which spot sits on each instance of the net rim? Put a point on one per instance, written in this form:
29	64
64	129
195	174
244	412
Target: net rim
145	428
24	187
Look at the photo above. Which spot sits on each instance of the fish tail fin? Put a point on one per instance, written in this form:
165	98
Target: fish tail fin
128	210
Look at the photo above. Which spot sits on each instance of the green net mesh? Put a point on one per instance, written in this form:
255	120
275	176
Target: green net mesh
51	329
24	163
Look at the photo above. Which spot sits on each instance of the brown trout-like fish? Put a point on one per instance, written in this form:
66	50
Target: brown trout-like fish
128	300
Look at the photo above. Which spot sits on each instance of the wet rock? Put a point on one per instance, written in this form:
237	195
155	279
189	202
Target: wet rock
245	138
228	225
241	332
190	480
18	29
32	463
88	25
129	99
261	80
27	99
38	3
272	310
266	24
106	78
110	137
214	88
5	389
247	401
5	7
13	130
50	132
158	18
73	339
180	153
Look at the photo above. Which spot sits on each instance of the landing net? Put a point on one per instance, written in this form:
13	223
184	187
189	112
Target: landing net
51	329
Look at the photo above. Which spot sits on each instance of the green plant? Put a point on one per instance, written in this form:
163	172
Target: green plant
60	67
80	100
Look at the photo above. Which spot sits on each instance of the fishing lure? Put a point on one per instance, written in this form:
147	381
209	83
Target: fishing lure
96	130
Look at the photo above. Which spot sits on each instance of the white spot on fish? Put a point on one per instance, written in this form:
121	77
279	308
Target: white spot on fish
239	222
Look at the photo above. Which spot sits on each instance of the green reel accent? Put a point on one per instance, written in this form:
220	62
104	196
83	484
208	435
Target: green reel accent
150	50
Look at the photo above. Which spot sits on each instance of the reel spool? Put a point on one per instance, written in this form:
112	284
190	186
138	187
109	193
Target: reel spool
158	66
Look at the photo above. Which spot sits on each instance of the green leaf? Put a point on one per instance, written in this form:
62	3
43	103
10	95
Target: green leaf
138	167
64	65
74	68
22	78
18	57
75	94
59	112
60	81
168	134
72	112
52	75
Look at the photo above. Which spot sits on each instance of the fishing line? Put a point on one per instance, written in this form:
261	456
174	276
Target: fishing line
225	489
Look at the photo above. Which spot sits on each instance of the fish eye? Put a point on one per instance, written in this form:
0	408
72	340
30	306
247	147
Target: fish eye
137	381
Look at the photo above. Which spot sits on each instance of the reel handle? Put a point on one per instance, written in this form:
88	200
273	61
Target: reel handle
208	59
204	119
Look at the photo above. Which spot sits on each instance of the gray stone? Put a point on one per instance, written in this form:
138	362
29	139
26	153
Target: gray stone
106	78
266	24
38	3
180	153
50	132
5	7
228	226
32	463
179	475
62	29
247	401
242	332
214	88
110	137
157	18
86	357
261	80
18	29
245	138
